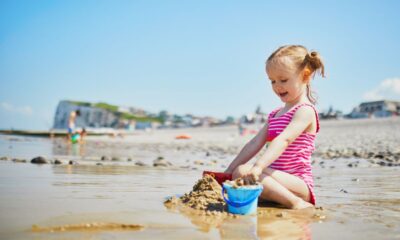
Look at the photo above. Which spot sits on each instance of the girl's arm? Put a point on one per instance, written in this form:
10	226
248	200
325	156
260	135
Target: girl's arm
250	149
302	119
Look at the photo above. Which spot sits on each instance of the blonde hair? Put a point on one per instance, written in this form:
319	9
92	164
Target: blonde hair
300	59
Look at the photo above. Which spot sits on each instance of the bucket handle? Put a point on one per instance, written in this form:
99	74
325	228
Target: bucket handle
237	204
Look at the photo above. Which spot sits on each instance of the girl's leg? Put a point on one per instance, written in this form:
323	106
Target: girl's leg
293	183
276	192
280	187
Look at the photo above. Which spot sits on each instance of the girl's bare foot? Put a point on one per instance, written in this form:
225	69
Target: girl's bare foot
301	204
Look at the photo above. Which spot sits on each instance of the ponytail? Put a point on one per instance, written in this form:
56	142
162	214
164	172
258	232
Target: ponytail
314	62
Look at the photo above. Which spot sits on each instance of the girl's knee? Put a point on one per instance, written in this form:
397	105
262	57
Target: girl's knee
268	186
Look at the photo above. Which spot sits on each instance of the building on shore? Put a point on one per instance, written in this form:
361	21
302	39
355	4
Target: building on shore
331	114
383	108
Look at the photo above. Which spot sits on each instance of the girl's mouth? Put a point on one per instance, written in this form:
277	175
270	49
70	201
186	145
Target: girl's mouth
283	94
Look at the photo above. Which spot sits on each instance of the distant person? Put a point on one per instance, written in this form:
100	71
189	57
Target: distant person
242	129
71	122
285	168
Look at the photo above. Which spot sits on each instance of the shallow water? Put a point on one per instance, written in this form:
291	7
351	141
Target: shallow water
359	203
25	147
54	195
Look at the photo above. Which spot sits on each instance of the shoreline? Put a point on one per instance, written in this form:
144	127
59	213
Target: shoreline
373	139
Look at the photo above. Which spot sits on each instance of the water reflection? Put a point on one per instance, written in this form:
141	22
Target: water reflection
76	149
271	222
273	228
244	227
114	181
64	147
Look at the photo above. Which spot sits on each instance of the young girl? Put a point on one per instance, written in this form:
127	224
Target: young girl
285	168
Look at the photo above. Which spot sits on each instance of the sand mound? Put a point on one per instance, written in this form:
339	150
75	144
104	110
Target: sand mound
205	196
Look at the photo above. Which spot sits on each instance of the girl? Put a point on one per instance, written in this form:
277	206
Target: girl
285	168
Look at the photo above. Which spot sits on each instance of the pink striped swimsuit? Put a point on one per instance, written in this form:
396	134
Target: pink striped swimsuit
296	159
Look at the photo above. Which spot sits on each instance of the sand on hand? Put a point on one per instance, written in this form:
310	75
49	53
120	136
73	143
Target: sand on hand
239	182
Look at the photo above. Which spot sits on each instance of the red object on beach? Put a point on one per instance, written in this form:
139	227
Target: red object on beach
183	136
219	176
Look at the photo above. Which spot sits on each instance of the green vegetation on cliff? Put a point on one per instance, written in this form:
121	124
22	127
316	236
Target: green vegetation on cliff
129	116
106	106
83	104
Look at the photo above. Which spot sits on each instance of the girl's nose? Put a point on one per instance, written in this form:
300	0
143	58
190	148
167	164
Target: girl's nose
278	87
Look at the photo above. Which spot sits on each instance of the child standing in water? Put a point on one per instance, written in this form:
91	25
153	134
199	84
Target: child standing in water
285	168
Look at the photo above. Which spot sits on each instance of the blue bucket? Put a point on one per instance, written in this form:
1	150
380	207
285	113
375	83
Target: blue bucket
242	200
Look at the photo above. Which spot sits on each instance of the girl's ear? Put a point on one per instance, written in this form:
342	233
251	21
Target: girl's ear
306	75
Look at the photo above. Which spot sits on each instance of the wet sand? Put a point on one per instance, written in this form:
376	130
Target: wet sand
358	202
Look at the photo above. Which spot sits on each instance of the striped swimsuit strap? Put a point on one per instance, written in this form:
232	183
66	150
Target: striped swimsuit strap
294	109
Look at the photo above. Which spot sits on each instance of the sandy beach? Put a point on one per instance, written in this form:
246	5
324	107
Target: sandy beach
114	187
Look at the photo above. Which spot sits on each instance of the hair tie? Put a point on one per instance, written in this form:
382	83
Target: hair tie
307	58
314	54
311	56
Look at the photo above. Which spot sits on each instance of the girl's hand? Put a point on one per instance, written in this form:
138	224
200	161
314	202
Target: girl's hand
252	175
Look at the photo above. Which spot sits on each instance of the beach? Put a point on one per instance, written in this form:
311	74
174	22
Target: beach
124	180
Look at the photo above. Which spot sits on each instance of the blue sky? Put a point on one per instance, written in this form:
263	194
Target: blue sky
204	57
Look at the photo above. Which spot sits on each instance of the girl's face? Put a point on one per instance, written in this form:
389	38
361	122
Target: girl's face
289	85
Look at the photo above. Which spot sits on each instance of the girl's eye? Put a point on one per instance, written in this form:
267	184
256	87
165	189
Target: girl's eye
273	82
284	80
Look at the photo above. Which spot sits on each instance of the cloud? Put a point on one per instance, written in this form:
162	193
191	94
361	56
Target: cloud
24	110
388	89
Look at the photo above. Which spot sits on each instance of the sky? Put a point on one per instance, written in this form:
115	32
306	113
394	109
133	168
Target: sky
206	58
